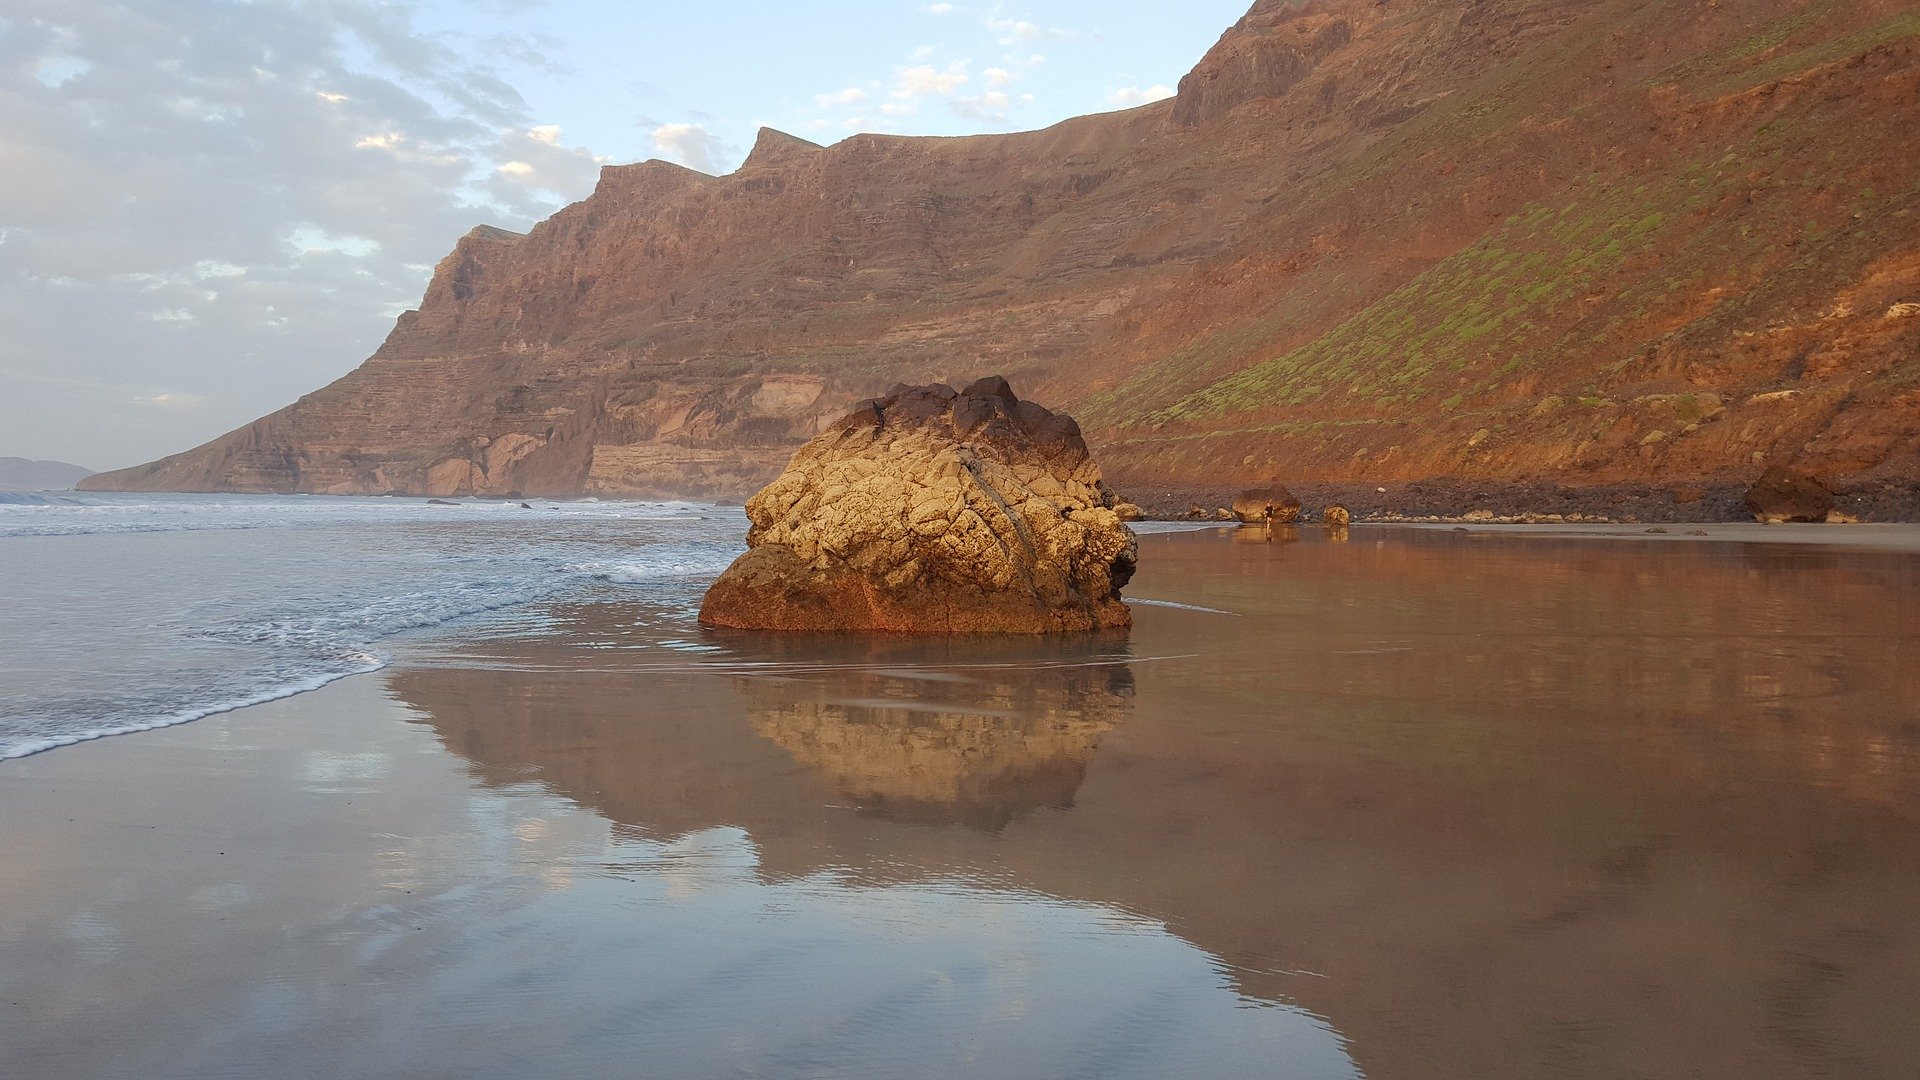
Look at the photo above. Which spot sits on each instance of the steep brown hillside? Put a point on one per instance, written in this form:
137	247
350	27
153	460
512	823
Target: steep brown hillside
1585	241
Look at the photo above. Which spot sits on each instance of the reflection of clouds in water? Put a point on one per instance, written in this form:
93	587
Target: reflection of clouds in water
700	861
95	938
743	921
686	952
324	769
216	897
542	855
397	869
539	837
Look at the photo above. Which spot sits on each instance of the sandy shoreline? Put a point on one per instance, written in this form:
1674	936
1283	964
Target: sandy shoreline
1873	537
1425	800
1889	537
1865	499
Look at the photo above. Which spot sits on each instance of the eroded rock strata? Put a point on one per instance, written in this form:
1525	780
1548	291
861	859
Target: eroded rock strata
1574	243
934	511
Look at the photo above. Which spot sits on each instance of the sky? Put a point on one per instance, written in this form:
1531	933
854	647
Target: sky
211	207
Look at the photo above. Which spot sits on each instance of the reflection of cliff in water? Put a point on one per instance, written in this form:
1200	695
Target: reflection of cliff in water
975	731
970	731
1492	806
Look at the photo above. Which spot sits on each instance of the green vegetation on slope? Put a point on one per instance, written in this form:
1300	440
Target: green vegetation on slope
1483	310
1789	64
1619	265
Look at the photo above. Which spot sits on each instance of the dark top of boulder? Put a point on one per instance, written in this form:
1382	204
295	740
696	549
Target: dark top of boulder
987	415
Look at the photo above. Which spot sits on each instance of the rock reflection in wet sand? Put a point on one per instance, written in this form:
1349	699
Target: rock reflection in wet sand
1417	804
974	733
1491	807
815	786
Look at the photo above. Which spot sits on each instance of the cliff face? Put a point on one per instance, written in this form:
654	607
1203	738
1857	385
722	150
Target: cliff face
1581	240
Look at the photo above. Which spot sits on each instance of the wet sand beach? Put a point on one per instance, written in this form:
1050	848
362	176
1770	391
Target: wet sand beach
1393	802
1887	537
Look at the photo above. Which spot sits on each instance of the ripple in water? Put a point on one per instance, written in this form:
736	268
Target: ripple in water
126	613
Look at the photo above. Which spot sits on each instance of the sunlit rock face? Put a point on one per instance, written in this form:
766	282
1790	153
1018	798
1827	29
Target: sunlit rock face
1271	50
933	510
1362	234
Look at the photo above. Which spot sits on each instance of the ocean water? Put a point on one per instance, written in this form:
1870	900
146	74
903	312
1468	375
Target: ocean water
1384	802
122	613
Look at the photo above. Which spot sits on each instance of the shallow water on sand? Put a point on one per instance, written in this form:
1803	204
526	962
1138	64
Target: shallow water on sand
1412	804
123	613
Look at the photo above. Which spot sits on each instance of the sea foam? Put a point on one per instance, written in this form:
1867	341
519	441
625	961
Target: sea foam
128	613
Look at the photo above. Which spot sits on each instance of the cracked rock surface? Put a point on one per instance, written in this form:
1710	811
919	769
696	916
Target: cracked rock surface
933	510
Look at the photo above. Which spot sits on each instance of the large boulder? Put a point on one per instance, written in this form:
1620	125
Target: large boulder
1275	505
1786	495
934	511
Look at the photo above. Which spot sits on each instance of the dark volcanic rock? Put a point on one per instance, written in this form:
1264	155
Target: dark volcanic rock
1787	495
1267	504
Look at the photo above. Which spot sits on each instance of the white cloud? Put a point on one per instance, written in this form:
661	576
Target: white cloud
171	401
313	240
991	106
538	160
987	97
925	80
942	8
233	218
852	95
1129	96
691	145
1016	31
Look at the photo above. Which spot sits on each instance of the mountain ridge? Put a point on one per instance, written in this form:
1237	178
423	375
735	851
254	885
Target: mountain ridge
19	474
1500	240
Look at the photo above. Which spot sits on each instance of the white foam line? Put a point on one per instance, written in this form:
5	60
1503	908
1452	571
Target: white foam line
188	716
754	668
1382	650
1182	607
1166	528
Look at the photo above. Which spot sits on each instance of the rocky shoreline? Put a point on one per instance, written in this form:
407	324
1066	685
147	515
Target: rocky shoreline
1472	501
